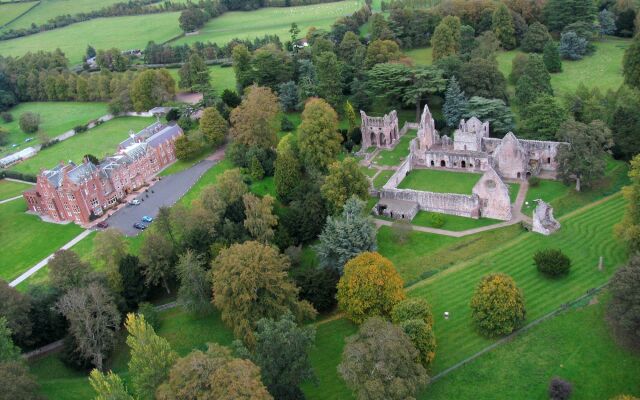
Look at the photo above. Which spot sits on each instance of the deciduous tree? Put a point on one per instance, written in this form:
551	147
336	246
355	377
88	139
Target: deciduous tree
378	343
249	283
213	126
151	356
497	306
157	255
134	290
15	306
110	247
536	38
423	339
552	262
623	310
629	228
151	88
542	118
194	293
17	383
480	77
319	138
288	173
255	121
345	179
108	386
412	308
631	64
329	86
259	219
502	26
446	38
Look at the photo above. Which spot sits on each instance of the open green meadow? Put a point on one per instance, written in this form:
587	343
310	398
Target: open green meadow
130	32
433	180
9	189
48	9
396	155
221	77
56	117
452	222
27	239
10	11
382	178
576	346
99	141
270	21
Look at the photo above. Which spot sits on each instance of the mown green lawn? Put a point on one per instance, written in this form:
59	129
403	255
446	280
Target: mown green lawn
99	141
382	178
271	21
48	9
130	32
576	346
433	180
26	240
11	11
452	222
56	118
9	189
398	153
565	199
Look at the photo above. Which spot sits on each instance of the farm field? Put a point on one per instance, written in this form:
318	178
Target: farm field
521	369
9	189
99	141
130	32
23	234
48	9
56	118
270	21
440	181
11	11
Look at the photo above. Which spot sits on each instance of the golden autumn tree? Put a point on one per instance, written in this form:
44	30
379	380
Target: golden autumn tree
255	121
370	286
497	306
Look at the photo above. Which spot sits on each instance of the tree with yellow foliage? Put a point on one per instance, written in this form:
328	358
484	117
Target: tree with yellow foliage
370	286
497	306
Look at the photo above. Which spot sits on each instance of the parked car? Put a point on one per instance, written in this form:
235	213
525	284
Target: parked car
140	226
102	225
147	218
134	202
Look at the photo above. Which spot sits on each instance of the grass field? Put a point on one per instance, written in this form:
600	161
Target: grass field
130	32
398	153
221	77
272	21
11	11
48	9
521	369
27	240
56	118
99	141
432	180
452	222
9	189
382	178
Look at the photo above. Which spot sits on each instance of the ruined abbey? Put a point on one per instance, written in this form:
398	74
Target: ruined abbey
470	150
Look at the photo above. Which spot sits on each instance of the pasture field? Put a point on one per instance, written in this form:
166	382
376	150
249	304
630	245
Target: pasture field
48	9
9	189
433	180
271	21
28	238
11	11
130	32
56	117
99	141
521	369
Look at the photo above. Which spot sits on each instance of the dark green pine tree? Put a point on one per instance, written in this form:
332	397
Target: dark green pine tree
631	64
454	103
133	288
551	57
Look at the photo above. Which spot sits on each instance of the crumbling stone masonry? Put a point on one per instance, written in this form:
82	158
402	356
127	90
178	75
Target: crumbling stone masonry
380	132
543	220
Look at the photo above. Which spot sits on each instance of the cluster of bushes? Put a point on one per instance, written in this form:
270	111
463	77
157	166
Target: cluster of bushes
18	175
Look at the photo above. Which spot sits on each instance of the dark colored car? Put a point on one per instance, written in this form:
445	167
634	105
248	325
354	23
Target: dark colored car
102	225
140	226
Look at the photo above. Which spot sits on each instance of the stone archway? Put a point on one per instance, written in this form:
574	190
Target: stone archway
433	164
463	164
443	163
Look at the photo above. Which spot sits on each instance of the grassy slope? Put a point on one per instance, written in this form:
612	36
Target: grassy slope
521	369
398	153
48	9
26	239
98	141
440	181
9	189
452	222
11	11
131	32
55	118
273	21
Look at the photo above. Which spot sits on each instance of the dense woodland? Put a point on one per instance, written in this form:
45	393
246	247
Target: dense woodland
240	254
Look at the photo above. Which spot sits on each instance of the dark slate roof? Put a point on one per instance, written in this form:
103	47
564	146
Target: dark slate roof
81	172
167	133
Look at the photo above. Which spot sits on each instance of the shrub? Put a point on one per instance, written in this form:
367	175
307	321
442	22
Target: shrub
437	220
286	125
6	116
80	128
552	262
572	46
370	286
414	308
497	306
29	122
534	181
559	389
422	337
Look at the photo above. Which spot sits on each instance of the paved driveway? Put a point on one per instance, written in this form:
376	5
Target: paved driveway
166	192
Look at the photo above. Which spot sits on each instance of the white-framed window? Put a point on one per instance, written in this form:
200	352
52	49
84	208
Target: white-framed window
71	196
76	209
94	202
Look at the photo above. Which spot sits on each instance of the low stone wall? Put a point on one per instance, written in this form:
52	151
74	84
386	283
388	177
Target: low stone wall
445	203
400	174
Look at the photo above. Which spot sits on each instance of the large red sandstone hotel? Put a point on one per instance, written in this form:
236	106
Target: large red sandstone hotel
70	192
